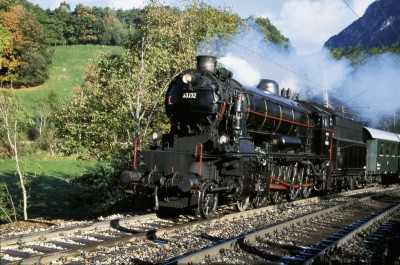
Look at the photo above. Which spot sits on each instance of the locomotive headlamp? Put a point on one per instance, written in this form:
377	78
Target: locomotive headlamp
187	78
156	136
223	139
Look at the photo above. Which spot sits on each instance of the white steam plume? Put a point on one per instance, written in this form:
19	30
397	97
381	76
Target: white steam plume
250	59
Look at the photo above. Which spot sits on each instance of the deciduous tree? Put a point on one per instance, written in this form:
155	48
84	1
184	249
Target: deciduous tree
5	41
25	61
9	108
125	92
85	24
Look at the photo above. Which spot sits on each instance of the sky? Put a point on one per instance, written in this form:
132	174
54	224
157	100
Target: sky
307	23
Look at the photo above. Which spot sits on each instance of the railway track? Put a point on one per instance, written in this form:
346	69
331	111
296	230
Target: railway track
48	246
308	239
135	238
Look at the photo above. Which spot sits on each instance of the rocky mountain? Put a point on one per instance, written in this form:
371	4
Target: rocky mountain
380	25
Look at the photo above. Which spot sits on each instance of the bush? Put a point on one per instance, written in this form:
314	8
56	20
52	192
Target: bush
8	213
32	132
36	68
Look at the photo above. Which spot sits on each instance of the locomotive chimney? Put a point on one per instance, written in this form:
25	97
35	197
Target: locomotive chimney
206	62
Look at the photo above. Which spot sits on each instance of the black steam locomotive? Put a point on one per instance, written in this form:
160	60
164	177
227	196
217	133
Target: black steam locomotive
243	145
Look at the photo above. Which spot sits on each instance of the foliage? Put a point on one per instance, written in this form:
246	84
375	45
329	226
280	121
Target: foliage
123	93
6	5
5	41
114	34
359	54
84	24
272	34
94	191
25	60
9	211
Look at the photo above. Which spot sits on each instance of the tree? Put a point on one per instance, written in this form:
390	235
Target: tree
10	62
63	16
9	108
5	41
125	92
272	34
6	5
25	61
85	24
359	54
114	32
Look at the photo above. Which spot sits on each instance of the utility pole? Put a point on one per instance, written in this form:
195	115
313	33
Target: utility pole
326	98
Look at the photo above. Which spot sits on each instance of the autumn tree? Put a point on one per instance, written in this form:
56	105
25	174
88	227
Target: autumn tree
25	60
85	24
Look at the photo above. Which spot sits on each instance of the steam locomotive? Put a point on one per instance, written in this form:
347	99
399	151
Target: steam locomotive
247	146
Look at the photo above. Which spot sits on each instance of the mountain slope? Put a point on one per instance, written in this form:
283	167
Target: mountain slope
379	26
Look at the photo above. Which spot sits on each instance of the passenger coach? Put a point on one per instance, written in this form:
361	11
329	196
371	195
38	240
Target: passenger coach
383	153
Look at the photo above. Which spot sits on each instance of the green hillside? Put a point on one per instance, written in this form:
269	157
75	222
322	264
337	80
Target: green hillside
66	72
47	174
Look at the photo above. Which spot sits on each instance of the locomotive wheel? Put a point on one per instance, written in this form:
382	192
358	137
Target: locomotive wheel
293	179
242	205
276	195
305	191
260	201
208	200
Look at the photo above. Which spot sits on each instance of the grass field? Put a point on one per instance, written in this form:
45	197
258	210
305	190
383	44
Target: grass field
47	182
66	72
47	174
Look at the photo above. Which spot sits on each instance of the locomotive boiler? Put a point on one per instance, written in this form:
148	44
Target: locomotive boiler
231	144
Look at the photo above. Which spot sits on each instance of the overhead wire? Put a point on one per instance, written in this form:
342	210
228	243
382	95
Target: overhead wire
362	20
394	29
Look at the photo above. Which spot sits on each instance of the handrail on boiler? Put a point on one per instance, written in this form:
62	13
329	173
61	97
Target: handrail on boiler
201	155
137	140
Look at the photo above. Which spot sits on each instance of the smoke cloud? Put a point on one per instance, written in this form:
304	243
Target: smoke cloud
371	90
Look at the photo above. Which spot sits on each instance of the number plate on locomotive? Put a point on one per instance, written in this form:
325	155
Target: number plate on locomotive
189	95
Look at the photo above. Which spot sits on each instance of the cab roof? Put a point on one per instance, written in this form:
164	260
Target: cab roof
383	135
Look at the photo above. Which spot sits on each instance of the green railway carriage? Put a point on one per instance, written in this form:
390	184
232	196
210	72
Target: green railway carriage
383	152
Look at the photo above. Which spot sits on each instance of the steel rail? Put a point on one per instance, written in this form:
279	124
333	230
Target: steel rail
342	241
214	250
6	241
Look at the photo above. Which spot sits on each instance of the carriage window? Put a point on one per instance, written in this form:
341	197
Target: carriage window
382	148
393	149
388	150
